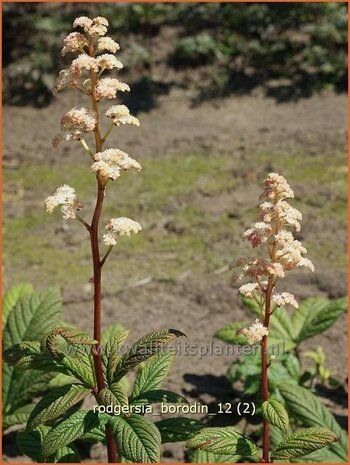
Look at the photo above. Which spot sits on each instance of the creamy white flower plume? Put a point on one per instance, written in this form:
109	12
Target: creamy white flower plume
111	162
120	114
120	227
255	332
108	88
107	43
65	197
285	298
108	61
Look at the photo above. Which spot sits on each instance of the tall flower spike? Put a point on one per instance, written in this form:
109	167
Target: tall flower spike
283	252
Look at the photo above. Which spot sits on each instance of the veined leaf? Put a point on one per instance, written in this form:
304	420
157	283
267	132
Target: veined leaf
178	429
12	297
56	403
18	417
152	373
223	440
30	443
317	315
138	440
228	333
114	396
71	335
311	412
110	331
28	356
303	442
112	351
68	430
143	349
33	316
274	412
159	395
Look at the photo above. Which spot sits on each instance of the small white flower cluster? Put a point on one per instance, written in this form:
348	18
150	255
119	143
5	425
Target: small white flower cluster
75	123
64	196
93	27
108	88
111	162
120	114
285	253
107	44
255	332
120	227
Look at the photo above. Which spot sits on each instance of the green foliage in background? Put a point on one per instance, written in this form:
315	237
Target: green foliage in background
290	49
26	315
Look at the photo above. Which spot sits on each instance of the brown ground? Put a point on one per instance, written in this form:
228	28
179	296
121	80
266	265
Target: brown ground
189	291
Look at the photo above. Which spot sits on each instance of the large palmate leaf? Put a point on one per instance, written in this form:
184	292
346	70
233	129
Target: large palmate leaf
303	442
309	410
152	373
223	440
143	349
12	297
69	430
178	429
33	316
30	444
275	413
316	315
138	440
56	403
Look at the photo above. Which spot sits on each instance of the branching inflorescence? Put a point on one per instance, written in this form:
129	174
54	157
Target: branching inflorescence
281	253
95	56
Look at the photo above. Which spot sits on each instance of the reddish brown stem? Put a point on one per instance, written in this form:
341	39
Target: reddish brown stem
264	370
96	260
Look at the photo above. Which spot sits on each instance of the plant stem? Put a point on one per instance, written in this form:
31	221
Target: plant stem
96	260
264	369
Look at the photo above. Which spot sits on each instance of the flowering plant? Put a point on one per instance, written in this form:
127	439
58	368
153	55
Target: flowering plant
97	368
281	253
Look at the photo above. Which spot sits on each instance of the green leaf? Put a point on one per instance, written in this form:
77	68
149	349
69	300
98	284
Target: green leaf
202	456
28	356
18	417
71	335
68	430
138	440
303	442
228	333
115	395
110	331
153	373
222	440
309	410
316	315
178	429
143	349
56	403
274	412
30	444
112	350
32	318
12	297
159	395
